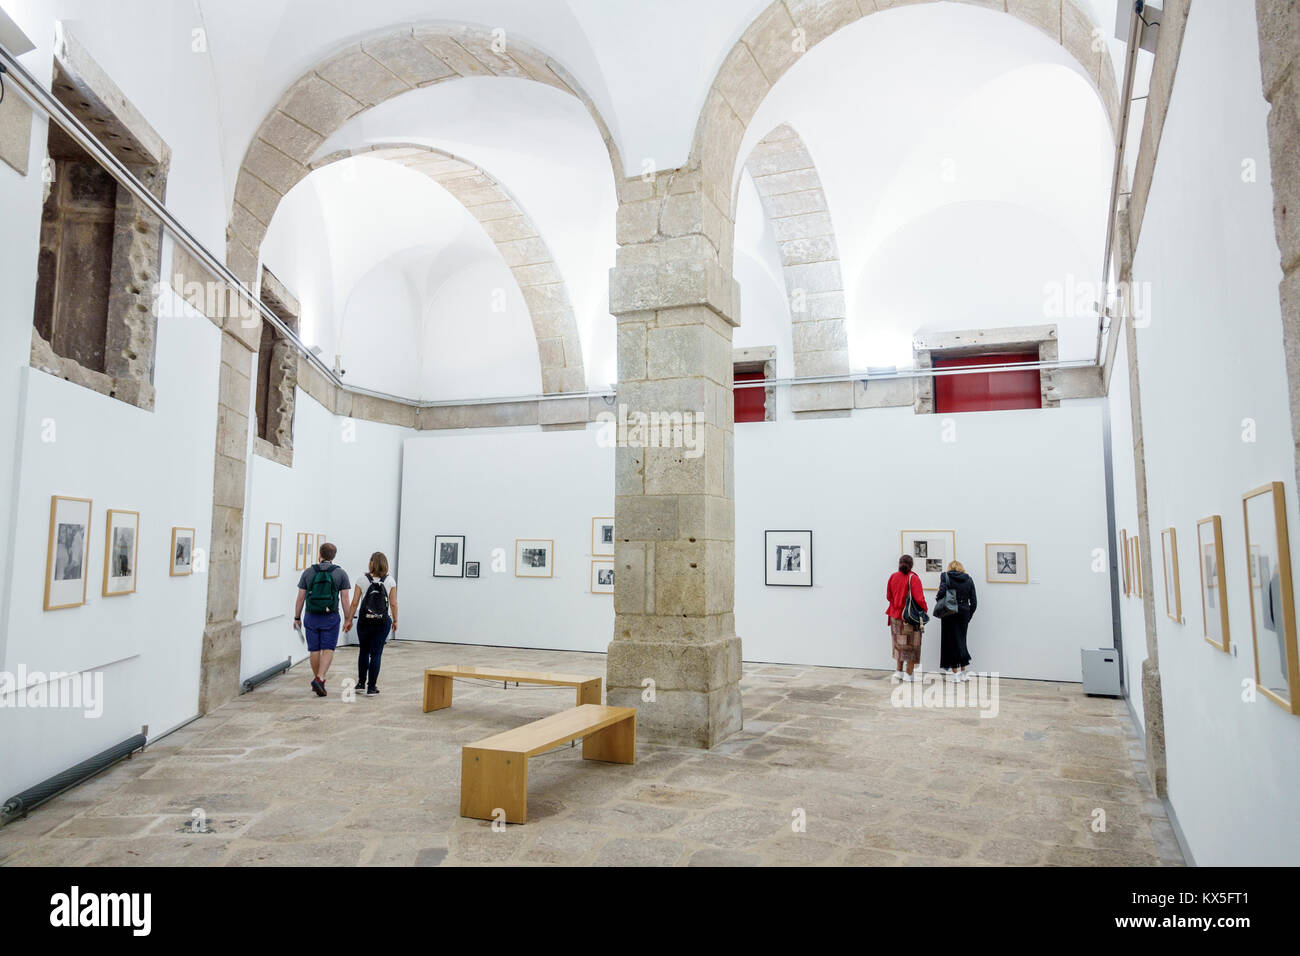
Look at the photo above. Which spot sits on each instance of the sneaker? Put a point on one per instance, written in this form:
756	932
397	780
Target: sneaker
318	686
897	676
373	690
911	678
953	676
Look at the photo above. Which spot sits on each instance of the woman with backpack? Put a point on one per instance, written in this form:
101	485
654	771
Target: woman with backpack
954	657
376	602
905	623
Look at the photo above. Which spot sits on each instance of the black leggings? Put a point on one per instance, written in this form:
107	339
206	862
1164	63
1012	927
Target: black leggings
371	638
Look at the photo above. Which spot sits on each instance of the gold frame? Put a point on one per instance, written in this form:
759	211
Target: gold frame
49	552
1171	535
594	552
1216	528
171	566
1127	581
902	549
266	551
108	548
1278	491
592	585
550	564
1005	544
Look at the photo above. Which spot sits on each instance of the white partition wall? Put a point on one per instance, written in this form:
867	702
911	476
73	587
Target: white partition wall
1032	477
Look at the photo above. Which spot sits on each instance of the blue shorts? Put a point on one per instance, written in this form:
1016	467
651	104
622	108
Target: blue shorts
322	631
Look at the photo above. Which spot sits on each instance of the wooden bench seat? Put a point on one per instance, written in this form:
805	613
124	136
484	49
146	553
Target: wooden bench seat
438	681
494	770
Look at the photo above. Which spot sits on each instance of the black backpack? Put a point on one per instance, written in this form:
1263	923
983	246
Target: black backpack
374	603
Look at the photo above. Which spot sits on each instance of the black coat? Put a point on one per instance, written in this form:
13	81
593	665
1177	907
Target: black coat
963	584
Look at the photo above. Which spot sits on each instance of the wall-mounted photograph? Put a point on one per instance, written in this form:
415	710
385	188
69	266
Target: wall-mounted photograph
931	551
1006	563
1169	564
471	569
449	556
789	559
271	550
602	577
67	556
121	547
533	557
182	552
1272	603
602	537
1214	597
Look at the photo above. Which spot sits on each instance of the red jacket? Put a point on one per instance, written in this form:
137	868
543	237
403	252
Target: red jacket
896	593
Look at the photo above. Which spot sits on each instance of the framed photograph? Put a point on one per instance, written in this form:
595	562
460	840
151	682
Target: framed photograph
602	537
67	556
471	569
449	556
1135	558
300	552
271	550
789	561
1214	599
931	551
1272	603
182	552
121	547
1169	561
1006	563
533	557
602	577
1126	578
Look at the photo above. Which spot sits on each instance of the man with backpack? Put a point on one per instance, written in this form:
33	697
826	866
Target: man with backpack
320	590
376	603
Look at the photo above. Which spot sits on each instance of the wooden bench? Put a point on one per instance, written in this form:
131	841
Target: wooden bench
438	680
494	770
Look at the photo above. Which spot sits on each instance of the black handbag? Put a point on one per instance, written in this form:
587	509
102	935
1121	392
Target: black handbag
948	604
912	613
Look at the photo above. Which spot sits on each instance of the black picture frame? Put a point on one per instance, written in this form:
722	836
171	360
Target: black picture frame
471	569
440	539
767	545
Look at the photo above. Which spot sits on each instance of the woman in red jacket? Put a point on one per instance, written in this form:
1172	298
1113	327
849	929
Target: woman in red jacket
906	637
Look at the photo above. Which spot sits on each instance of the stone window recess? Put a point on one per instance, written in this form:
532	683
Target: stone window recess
758	361
100	255
1037	339
277	373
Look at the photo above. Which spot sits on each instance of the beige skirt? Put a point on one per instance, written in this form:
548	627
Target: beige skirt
907	641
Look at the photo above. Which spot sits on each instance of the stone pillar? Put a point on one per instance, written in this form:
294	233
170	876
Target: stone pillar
1279	53
674	511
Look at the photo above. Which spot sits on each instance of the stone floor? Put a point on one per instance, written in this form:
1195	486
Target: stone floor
284	777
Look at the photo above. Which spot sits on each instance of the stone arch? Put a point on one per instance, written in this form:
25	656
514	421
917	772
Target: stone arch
350	82
559	348
795	204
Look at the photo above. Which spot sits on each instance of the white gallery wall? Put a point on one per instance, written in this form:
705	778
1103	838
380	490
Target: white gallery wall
344	483
1032	477
75	442
1008	477
1211	359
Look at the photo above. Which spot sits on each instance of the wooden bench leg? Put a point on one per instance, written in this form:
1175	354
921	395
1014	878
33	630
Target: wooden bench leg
437	692
589	693
615	744
492	780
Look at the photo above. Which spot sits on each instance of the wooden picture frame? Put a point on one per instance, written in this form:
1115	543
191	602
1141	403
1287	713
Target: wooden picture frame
602	537
910	542
995	562
1136	559
1214	595
526	554
599	569
300	551
271	556
1272	598
121	552
1173	586
182	562
67	553
1126	581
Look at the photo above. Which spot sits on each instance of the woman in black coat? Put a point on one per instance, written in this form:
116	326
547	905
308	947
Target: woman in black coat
953	654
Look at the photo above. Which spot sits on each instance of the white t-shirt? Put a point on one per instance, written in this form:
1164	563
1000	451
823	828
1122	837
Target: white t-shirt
363	582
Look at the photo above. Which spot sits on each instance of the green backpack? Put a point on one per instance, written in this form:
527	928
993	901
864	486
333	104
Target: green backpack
321	596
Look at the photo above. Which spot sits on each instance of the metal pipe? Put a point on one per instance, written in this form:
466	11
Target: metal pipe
261	677
20	804
1135	28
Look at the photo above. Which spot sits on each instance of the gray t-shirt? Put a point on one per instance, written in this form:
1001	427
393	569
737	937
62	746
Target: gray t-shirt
341	582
